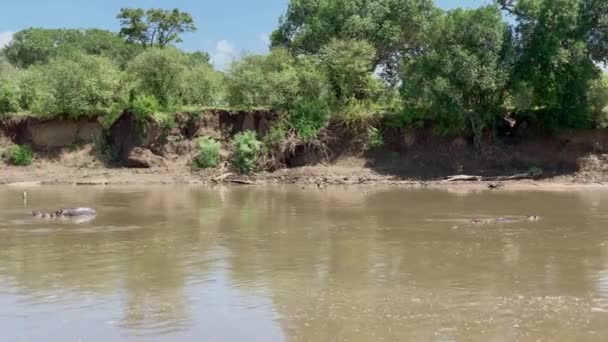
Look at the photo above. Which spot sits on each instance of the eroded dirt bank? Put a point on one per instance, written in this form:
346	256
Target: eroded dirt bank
131	152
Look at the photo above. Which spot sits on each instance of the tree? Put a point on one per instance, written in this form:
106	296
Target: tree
556	43
202	86
460	81
154	27
394	27
349	65
595	21
262	80
31	46
158	72
38	45
73	85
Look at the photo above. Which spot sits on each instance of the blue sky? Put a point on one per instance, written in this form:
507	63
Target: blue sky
226	28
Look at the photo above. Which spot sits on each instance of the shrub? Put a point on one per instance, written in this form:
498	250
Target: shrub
349	65
598	99
358	115
374	138
158	72
308	117
202	86
247	149
208	154
262	81
9	97
74	85
145	106
18	155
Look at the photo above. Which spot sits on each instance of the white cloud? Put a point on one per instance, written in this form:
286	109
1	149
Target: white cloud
223	53
5	38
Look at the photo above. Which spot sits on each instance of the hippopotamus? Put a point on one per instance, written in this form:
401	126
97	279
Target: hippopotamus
77	212
505	219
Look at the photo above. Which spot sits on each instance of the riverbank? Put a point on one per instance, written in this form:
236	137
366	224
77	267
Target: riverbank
318	176
129	151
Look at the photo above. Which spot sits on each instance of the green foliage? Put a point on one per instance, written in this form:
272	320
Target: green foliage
202	86
554	49
374	138
349	66
460	81
145	106
38	46
247	149
308	117
208	154
154	27
18	155
598	99
393	27
262	81
73	85
9	96
276	134
332	61
358	115
158	72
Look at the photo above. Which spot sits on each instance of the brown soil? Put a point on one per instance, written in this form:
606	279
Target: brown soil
66	154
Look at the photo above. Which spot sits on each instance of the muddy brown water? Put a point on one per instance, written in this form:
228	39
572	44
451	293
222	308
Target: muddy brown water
292	264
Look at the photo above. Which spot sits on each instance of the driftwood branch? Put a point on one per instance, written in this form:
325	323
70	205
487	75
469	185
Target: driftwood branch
460	178
222	177
476	178
225	178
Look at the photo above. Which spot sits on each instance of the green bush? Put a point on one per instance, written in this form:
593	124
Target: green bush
202	86
73	85
358	115
349	65
247	149
9	97
374	138
159	73
208	154
598	98
459	83
145	106
18	155
308	117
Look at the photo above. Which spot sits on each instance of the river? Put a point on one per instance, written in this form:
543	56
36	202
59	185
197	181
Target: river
290	264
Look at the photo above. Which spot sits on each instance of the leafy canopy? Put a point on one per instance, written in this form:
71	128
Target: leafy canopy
393	27
154	27
461	80
37	45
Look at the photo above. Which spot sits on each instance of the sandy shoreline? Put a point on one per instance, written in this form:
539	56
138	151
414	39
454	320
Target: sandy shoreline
317	176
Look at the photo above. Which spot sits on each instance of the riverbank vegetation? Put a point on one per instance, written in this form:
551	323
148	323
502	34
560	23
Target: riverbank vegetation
343	62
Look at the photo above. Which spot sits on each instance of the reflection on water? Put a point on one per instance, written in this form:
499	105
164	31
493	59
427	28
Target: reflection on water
282	263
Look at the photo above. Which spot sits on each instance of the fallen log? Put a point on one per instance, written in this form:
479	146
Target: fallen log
477	178
513	177
222	177
241	181
225	178
467	178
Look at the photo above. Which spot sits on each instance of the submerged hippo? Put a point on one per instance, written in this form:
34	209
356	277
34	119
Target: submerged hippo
77	212
505	219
